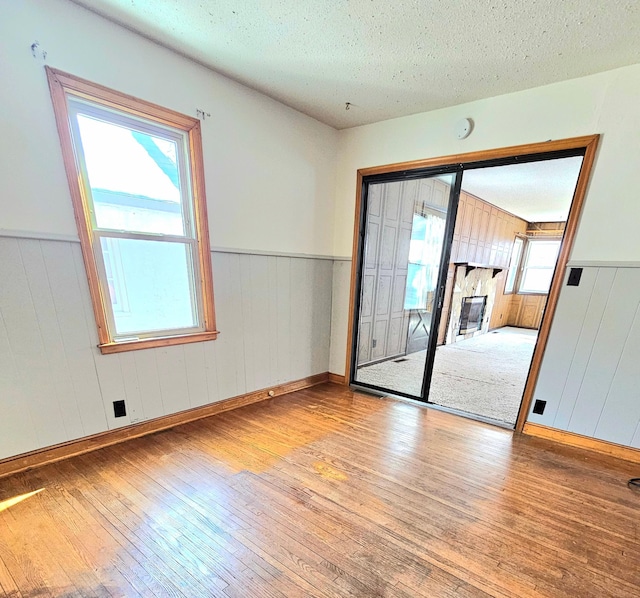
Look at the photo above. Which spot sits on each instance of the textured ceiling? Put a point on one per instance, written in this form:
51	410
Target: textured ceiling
388	58
536	192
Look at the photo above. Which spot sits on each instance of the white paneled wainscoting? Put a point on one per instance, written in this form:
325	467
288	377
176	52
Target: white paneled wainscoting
590	375
273	313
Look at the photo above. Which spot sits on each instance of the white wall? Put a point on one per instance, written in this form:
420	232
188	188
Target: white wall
605	103
269	170
270	188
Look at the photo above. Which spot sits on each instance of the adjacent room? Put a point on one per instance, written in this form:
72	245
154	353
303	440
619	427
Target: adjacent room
507	235
302	300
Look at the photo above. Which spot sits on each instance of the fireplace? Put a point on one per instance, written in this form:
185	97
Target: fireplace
469	286
472	313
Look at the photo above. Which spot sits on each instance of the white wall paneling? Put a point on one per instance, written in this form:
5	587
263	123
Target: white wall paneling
273	313
339	315
283	321
590	376
300	319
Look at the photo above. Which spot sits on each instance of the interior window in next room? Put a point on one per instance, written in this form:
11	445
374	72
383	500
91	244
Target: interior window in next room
538	266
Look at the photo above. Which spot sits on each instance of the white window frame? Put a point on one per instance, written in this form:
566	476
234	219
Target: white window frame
525	259
514	266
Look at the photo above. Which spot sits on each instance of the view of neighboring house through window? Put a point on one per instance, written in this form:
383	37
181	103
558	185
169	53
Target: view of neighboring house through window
115	276
141	218
137	196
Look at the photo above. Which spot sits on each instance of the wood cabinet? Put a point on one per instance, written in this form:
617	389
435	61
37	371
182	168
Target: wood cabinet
526	311
483	234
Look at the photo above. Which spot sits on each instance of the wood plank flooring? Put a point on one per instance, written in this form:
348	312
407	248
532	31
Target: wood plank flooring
324	492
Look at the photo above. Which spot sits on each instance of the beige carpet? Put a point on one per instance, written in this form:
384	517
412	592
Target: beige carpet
484	375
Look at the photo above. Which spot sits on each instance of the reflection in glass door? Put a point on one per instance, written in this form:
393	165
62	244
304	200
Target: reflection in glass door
406	230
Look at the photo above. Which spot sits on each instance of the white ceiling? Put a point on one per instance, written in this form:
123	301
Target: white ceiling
536	191
388	58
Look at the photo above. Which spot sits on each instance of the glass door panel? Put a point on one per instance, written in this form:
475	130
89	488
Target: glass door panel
405	234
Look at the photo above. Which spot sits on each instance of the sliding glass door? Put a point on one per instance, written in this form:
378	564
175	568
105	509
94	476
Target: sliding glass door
406	228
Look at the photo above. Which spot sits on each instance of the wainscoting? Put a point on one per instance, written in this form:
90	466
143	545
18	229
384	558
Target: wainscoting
273	313
590	377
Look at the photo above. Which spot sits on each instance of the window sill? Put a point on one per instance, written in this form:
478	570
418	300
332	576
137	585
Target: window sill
530	293
150	343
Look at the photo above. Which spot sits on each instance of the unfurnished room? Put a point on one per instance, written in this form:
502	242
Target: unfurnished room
306	299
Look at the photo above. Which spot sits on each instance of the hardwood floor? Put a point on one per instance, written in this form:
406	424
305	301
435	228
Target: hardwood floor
324	492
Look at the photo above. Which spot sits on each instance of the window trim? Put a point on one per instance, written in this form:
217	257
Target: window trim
61	85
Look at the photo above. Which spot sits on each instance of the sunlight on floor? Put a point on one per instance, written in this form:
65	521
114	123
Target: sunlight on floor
10	502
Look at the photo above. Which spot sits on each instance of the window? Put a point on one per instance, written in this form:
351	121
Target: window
539	265
516	253
135	175
427	236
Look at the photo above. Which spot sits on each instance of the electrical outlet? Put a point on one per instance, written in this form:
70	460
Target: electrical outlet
574	277
119	409
538	407
374	342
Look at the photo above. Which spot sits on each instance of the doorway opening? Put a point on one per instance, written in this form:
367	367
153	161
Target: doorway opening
457	270
509	228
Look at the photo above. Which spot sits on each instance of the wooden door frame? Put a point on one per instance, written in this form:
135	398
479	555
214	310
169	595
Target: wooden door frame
588	143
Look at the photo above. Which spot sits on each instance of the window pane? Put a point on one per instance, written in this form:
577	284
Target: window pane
427	236
537	280
149	285
416	291
134	178
513	265
542	254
